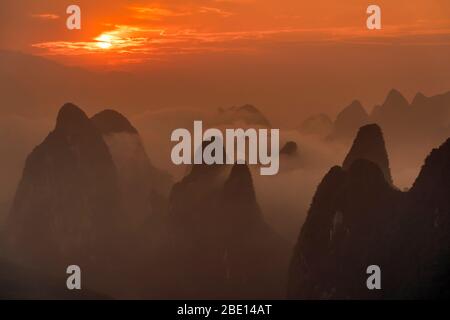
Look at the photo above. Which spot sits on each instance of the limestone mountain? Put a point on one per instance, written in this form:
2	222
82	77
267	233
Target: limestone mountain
348	121
290	148
426	118
393	115
320	125
369	144
431	113
65	208
144	188
358	219
419	99
246	114
428	221
240	205
393	107
221	237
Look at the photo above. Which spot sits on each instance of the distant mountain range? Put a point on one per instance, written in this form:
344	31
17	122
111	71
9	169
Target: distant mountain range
423	118
244	115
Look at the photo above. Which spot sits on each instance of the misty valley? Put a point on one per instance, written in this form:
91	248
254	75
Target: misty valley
209	152
212	148
90	196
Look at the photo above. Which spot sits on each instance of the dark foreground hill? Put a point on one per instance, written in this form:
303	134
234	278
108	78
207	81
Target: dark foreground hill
358	219
90	196
221	239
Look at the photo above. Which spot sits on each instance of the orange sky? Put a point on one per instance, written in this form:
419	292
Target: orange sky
283	56
126	32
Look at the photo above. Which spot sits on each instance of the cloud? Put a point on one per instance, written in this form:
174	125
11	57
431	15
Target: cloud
218	11
121	40
129	44
159	31
160	13
155	13
45	16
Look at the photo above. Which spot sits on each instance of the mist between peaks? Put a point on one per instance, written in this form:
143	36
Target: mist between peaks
215	147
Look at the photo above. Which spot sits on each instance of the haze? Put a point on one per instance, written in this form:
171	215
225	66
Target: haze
293	56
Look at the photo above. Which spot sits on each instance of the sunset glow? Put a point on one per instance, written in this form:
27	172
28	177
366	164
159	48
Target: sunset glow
226	150
104	41
139	31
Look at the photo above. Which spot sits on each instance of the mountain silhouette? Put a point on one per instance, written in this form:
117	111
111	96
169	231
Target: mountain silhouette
110	121
394	114
409	128
423	122
65	208
394	104
221	236
289	148
320	125
369	145
358	219
239	198
144	188
348	121
419	99
431	114
247	114
428	208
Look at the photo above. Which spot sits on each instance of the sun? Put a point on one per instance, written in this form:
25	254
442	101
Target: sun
104	45
104	41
